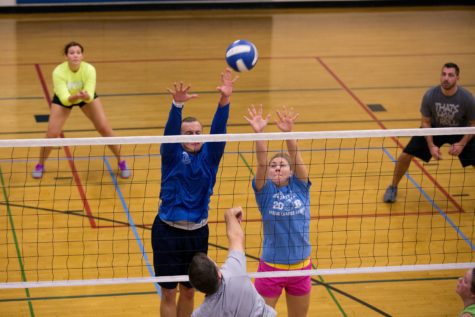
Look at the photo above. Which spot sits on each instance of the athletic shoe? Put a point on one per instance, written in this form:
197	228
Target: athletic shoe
390	194
124	170
38	172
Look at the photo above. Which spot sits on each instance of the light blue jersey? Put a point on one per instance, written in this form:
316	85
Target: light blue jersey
286	219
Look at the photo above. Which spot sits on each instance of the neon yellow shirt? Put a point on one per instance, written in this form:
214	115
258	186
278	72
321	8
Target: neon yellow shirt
67	83
469	309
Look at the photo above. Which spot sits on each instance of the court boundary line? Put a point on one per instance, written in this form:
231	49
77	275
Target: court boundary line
381	125
17	245
435	205
74	171
131	224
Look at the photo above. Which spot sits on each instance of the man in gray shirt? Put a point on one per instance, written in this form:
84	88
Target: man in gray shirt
447	105
229	291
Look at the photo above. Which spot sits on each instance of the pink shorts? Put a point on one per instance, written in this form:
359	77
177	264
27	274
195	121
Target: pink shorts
272	286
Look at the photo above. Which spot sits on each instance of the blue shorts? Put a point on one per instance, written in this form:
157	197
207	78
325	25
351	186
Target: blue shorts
418	147
81	104
174	248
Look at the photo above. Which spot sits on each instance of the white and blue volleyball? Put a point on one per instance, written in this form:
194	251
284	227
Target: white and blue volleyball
241	55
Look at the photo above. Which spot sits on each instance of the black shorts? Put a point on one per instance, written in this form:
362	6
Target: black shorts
418	147
174	248
81	104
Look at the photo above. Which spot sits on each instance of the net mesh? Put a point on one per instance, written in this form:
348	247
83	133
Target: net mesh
80	223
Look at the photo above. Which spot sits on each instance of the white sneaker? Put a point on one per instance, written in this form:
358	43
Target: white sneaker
124	170
38	172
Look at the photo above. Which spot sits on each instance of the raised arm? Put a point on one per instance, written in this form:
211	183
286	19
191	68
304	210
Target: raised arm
233	217
180	95
226	88
285	122
220	119
258	123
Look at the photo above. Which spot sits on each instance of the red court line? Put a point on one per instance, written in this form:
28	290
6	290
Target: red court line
76	177
363	106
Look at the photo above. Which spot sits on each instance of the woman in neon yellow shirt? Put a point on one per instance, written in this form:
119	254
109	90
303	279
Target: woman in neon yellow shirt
466	290
74	84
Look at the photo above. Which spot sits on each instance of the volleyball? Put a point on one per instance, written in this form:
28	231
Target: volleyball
241	55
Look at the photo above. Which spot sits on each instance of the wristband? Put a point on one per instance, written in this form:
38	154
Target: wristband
178	104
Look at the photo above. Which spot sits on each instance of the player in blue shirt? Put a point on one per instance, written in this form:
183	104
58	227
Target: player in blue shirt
282	190
189	173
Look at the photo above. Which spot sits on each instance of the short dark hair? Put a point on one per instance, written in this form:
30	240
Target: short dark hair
190	119
454	66
71	44
203	274
472	286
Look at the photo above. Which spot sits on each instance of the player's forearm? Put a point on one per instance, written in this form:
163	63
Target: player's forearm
430	141
173	125
234	231
224	100
426	124
220	120
466	138
261	153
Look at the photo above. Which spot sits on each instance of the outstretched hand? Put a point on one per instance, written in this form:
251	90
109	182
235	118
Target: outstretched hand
256	120
286	118
227	82
180	92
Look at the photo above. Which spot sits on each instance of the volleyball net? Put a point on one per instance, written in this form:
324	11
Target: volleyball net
80	224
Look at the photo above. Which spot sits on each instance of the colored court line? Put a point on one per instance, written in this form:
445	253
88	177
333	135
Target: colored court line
381	125
132	224
76	177
328	287
315	282
17	245
434	204
335	300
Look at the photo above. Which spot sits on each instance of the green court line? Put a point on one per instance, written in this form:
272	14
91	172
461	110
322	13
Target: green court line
247	164
337	303
78	296
17	246
335	300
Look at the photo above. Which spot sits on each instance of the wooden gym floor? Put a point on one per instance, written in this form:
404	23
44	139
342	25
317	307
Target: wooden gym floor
327	63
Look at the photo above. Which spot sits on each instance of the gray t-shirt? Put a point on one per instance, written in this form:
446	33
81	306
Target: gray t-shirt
236	296
448	111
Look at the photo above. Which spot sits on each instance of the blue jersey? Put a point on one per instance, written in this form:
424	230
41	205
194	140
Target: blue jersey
286	219
188	178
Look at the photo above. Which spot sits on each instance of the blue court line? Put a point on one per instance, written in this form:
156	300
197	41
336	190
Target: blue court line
132	224
432	202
